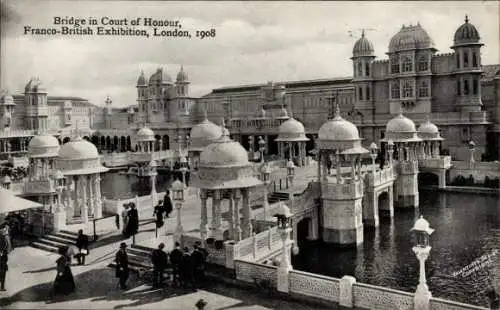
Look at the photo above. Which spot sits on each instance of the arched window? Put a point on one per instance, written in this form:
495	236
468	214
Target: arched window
466	87
367	92
360	93
466	59
423	89
407	89
395	64
459	89
407	63
395	90
423	64
474	59
367	69
475	87
360	69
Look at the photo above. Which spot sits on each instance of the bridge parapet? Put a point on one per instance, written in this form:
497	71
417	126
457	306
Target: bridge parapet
441	162
39	187
380	177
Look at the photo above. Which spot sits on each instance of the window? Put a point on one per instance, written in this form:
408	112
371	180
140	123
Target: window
360	69
395	64
466	59
395	90
367	69
423	90
407	64
474	59
360	93
407	89
466	87
423	65
459	89
475	87
367	92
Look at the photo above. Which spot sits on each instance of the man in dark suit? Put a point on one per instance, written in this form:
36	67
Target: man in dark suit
122	270
133	220
176	260
159	259
187	268
82	243
167	204
3	269
198	262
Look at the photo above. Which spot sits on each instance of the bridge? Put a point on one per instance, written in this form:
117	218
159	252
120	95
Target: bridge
165	158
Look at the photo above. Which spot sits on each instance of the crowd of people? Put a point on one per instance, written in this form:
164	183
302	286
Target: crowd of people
187	268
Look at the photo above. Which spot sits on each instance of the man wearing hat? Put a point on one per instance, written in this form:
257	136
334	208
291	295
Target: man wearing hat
122	270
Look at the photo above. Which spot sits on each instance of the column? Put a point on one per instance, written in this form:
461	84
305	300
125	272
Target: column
339	172
97	192
83	204
90	201
216	202
319	166
76	202
230	217
214	216
237	222
204	216
247	228
353	169
179	230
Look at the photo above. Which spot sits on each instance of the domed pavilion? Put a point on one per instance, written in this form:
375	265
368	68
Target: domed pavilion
224	171
431	140
80	163
292	137
146	140
339	146
402	140
201	136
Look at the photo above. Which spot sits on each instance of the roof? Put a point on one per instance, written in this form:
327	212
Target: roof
11	202
490	72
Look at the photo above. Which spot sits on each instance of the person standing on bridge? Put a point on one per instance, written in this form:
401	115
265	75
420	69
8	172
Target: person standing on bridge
122	271
158	213
167	204
82	243
3	269
125	218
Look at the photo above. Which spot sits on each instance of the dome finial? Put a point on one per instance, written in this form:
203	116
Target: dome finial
427	118
337	109
362	33
466	18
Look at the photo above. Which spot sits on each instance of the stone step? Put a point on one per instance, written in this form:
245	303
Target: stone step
60	239
68	233
52	243
142	247
44	247
138	252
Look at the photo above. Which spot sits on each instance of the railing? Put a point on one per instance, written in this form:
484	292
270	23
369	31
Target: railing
114	217
441	162
257	246
408	167
121	159
39	187
314	285
251	271
16	133
342	191
380	298
380	177
444	304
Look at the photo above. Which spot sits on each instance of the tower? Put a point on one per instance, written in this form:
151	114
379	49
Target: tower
362	58
182	91
6	109
67	112
108	113
35	99
468	67
142	94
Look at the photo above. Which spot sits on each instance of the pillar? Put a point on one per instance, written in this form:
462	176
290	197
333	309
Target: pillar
370	208
91	200
83	202
319	165
216	205
346	293
247	221
237	221
230	217
204	216
442	178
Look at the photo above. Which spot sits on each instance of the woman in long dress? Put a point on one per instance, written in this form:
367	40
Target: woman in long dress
64	282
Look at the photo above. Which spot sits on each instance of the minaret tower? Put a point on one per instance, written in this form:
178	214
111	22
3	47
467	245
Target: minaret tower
35	99
362	58
182	91
142	94
468	67
108	113
6	109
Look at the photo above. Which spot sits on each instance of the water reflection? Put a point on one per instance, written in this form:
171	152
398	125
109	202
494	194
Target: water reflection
115	185
464	226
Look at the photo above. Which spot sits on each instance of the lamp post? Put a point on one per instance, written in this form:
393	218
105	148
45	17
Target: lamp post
266	175
421	230
177	189
250	146
390	150
152	175
283	220
183	168
59	216
262	148
290	169
373	155
472	148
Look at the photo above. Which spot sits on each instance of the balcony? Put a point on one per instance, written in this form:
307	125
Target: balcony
441	162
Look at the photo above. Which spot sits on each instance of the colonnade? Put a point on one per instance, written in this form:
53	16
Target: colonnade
336	162
296	149
83	197
40	168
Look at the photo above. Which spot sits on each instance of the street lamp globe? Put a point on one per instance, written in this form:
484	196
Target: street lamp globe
177	190
283	216
373	148
472	145
422	231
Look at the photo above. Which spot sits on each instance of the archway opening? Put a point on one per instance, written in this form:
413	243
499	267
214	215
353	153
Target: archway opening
427	179
115	143
157	143
384	205
66	140
123	144
303	229
129	144
165	143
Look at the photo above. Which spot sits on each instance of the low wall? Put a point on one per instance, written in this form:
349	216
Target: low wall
443	304
111	206
478	170
251	272
314	285
380	298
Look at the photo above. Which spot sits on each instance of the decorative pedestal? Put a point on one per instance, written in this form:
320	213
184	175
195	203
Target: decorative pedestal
422	294
59	220
346	296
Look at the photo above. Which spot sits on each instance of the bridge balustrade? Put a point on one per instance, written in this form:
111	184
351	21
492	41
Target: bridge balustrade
441	162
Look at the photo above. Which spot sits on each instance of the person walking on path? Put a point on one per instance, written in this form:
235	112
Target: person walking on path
176	261
167	204
198	262
158	213
133	221
5	241
64	282
187	268
82	243
159	259
125	218
122	271
3	269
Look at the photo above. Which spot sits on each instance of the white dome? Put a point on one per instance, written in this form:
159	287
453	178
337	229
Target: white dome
401	123
7	99
422	225
145	134
224	153
79	149
43	146
205	130
428	127
338	129
292	126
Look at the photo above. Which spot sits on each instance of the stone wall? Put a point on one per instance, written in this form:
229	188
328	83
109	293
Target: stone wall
251	272
380	298
314	285
443	304
478	170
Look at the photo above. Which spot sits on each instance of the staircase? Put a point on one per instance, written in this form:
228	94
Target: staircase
139	257
277	197
52	242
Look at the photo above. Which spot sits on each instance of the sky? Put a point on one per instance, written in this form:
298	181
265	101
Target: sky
255	42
